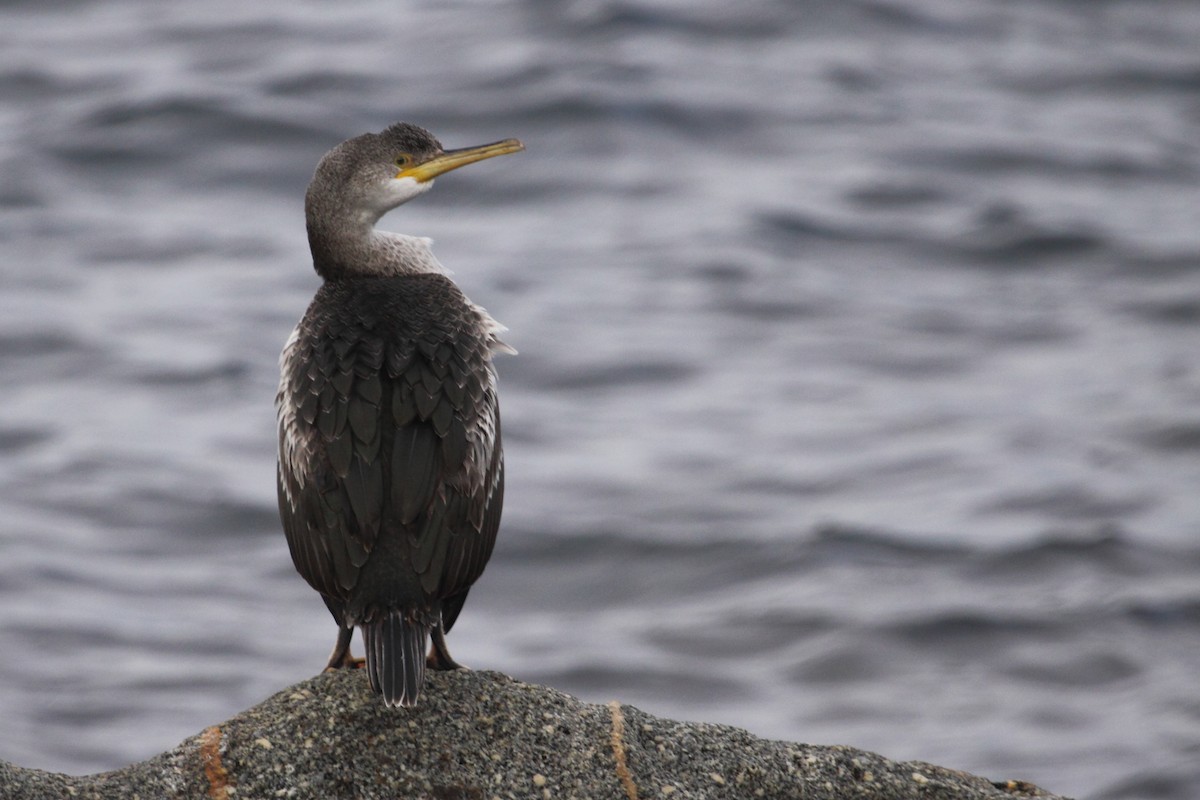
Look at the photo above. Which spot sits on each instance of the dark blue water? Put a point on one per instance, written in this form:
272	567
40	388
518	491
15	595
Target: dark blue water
859	375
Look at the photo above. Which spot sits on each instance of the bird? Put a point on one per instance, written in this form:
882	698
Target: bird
390	466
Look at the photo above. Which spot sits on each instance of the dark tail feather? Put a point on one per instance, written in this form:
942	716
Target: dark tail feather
396	658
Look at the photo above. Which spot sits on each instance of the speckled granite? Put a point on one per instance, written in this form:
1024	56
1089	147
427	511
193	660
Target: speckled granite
482	735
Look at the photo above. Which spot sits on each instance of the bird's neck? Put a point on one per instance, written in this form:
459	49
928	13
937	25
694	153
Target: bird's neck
346	246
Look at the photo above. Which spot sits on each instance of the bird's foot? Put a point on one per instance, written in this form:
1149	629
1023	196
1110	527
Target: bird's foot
340	658
349	662
439	655
442	662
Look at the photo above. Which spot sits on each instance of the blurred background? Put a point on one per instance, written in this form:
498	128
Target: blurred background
859	379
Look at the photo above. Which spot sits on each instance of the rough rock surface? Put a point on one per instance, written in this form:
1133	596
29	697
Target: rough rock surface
482	735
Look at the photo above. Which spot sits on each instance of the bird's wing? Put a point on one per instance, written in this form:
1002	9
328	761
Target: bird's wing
329	476
447	463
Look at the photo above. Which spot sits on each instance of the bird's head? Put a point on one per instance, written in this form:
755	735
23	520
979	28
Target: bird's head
371	174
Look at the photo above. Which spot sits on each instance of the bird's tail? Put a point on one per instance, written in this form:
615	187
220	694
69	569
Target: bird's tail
396	657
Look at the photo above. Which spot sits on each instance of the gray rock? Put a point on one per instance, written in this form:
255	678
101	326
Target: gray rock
482	735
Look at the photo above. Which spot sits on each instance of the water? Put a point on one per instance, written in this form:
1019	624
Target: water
858	381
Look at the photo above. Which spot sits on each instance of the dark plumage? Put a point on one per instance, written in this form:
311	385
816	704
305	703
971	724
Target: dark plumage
391	472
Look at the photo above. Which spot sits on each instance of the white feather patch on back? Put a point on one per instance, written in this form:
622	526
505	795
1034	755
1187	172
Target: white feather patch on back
493	329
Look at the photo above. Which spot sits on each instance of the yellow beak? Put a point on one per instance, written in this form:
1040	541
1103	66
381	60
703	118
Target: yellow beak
453	159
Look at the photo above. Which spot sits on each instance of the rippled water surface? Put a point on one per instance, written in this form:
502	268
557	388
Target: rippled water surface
859	375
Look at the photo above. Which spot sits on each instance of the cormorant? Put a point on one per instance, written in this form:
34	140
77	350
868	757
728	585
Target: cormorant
391	474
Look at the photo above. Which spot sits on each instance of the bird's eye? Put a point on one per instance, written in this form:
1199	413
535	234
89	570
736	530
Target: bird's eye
404	160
